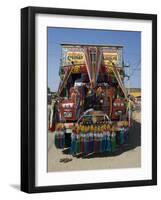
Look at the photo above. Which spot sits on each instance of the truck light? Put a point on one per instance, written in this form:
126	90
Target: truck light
114	104
67	105
68	114
63	105
118	104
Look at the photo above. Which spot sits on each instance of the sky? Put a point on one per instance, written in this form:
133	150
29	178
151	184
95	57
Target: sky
130	40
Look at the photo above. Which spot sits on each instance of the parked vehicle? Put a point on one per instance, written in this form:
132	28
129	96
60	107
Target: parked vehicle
91	91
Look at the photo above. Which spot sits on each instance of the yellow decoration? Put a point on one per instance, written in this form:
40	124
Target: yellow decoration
121	123
126	123
102	128
76	69
91	128
95	128
99	129
94	119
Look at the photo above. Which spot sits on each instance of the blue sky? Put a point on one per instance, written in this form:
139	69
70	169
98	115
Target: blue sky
130	40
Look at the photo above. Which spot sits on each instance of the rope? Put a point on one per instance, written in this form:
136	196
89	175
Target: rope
64	81
119	81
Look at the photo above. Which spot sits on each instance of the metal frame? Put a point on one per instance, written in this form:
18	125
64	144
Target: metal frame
28	98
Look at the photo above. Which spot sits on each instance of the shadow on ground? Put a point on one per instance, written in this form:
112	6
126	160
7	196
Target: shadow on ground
15	186
133	142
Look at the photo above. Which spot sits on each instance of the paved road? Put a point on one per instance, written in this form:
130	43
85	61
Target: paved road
127	157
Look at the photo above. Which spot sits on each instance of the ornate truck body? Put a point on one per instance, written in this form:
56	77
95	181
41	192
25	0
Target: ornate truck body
92	89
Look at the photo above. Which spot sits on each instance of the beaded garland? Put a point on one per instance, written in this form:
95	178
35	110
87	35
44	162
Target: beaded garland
89	139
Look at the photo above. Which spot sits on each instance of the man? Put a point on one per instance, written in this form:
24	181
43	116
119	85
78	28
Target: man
100	98
90	98
52	113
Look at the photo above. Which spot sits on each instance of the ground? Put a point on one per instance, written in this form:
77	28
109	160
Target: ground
127	157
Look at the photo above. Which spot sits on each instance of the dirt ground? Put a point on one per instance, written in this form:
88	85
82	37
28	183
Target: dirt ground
128	156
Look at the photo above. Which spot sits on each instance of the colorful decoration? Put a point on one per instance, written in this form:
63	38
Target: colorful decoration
126	135
92	87
93	138
113	140
59	137
121	136
108	142
73	143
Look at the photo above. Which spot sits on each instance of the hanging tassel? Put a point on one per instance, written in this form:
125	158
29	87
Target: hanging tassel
108	142
57	136
88	143
92	139
63	140
78	143
82	138
118	138
105	135
95	143
85	144
113	140
60	139
98	142
87	140
77	140
101	141
126	135
91	143
121	136
80	133
73	143
56	139
61	135
82	143
71	147
103	138
104	141
95	139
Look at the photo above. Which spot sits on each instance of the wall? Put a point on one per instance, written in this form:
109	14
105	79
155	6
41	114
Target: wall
10	98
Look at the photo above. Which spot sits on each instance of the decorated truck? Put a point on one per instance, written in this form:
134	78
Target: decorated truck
92	105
